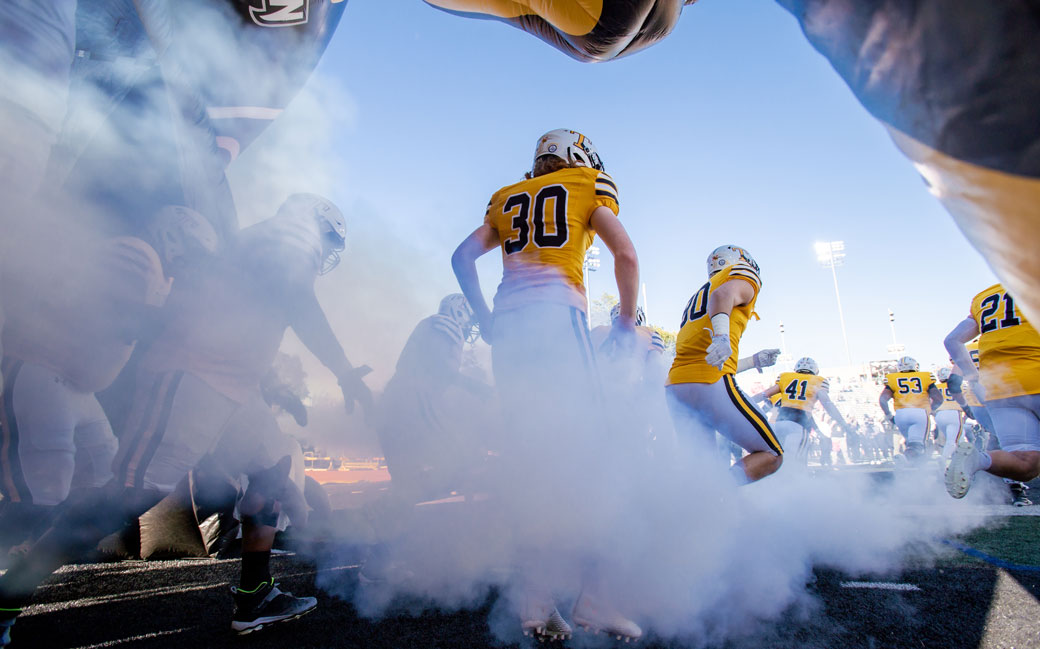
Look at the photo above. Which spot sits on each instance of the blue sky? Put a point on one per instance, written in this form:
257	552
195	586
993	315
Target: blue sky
732	130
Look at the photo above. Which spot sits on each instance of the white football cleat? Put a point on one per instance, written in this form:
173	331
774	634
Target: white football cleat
962	468
540	618
594	615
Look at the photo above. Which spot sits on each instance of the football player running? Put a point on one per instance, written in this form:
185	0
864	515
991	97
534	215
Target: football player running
198	393
74	319
702	393
914	394
1008	381
798	393
541	350
948	417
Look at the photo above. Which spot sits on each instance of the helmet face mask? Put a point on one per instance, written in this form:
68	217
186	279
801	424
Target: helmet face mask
332	226
615	312
943	374
457	308
907	364
806	365
725	256
570	146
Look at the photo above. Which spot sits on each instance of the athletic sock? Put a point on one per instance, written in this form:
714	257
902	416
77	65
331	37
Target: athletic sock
985	461
255	570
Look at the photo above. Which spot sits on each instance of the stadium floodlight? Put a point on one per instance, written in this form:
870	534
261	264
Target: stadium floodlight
895	347
590	265
832	254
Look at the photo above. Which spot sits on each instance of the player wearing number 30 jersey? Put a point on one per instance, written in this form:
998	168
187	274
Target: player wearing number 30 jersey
544	226
702	394
543	359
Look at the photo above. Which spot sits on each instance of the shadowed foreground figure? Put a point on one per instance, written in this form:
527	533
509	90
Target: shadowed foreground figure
198	393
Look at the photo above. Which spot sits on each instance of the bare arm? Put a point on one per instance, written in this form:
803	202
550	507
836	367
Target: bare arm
965	331
765	394
832	410
464	263
313	329
935	396
886	395
626	262
733	293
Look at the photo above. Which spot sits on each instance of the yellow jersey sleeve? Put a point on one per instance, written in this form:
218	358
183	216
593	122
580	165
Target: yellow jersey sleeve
544	228
948	403
695	332
1008	346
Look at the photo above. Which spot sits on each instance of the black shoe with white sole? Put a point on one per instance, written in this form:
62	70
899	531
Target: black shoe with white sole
267	605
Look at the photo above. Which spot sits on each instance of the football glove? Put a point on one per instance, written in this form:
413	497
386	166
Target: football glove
718	351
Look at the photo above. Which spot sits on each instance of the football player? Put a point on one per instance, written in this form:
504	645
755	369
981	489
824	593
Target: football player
914	395
798	393
974	408
428	446
703	395
948	417
69	340
1008	381
541	350
198	393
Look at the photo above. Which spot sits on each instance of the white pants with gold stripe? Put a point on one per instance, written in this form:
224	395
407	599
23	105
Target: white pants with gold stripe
701	409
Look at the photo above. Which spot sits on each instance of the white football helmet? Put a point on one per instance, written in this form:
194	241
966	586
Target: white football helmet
182	237
806	365
724	256
331	224
907	364
569	146
615	311
457	307
943	373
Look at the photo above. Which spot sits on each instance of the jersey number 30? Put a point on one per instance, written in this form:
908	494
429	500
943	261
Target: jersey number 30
521	204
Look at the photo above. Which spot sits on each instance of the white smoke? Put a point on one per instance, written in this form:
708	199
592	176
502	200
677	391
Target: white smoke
672	543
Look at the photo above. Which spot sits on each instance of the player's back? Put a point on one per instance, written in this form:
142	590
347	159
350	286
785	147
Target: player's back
909	389
800	390
544	227
1009	346
433	351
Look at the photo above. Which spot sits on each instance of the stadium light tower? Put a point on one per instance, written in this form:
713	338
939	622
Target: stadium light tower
784	356
590	265
895	347
832	254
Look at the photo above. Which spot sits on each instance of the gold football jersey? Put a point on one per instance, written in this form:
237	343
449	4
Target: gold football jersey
695	332
1009	347
948	401
910	389
544	228
799	390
